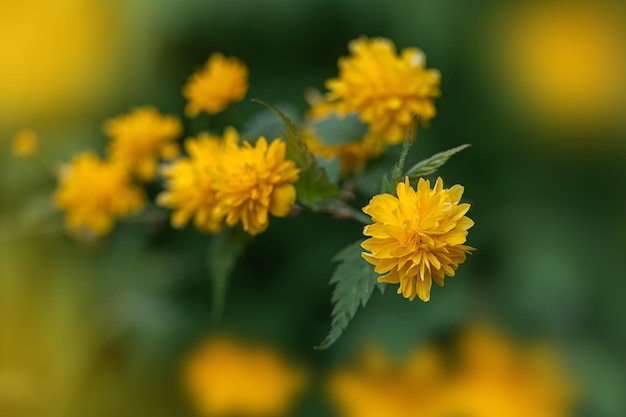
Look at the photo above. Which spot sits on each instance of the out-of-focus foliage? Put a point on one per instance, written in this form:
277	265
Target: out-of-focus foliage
103	328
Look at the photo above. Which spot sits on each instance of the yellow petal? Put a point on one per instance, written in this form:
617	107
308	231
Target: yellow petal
282	199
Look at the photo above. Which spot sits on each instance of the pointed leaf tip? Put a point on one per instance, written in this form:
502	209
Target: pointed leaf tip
430	165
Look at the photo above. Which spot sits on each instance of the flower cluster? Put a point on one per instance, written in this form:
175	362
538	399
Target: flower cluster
221	182
218	183
418	236
96	192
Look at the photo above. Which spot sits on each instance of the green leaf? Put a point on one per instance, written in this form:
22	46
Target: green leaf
390	181
336	130
430	165
313	183
354	281
223	251
332	166
265	123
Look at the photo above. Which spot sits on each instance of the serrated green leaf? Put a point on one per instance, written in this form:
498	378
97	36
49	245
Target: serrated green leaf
336	130
430	165
223	251
354	281
313	183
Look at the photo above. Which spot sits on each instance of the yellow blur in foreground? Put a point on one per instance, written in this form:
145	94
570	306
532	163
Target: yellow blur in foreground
564	62
226	377
55	55
46	344
491	377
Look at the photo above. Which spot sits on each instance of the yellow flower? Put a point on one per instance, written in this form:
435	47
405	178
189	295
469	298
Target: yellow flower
94	193
376	387
140	138
256	180
191	182
219	83
385	88
417	236
25	143
224	377
496	378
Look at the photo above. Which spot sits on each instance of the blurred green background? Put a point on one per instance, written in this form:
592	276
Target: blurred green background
538	89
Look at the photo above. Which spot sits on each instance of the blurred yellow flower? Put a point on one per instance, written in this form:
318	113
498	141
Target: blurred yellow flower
256	180
485	375
219	83
191	182
385	88
94	193
496	378
25	143
417	236
564	63
140	138
224	377
376	387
